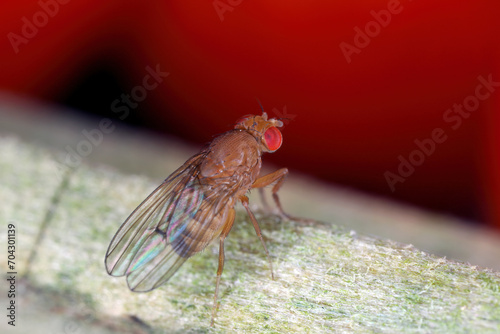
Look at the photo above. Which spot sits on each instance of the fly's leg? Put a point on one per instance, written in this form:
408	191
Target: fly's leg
244	201
263	199
277	177
225	231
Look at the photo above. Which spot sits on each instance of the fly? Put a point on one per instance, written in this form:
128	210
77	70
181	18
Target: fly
195	205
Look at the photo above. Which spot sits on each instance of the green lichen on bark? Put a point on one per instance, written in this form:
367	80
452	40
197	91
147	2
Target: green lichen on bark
328	279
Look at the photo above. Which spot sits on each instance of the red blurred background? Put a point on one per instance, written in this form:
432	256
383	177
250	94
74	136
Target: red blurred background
359	82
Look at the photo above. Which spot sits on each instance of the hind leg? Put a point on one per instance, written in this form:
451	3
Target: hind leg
225	231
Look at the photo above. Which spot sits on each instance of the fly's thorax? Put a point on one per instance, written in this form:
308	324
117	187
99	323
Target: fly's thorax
233	158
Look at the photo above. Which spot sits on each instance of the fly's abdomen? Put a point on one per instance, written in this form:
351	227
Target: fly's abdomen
196	235
193	220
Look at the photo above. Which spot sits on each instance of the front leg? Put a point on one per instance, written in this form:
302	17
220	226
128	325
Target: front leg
277	177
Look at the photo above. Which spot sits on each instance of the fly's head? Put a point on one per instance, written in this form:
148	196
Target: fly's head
264	130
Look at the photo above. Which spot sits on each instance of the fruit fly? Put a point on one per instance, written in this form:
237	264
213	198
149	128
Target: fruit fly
195	205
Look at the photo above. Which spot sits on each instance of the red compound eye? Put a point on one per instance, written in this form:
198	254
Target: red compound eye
273	138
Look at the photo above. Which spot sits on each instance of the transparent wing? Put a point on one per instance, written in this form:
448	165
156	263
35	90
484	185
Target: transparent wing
166	229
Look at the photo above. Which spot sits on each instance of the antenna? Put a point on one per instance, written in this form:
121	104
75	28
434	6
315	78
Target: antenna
260	104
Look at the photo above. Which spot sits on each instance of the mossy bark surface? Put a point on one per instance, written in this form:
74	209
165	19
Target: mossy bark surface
328	278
